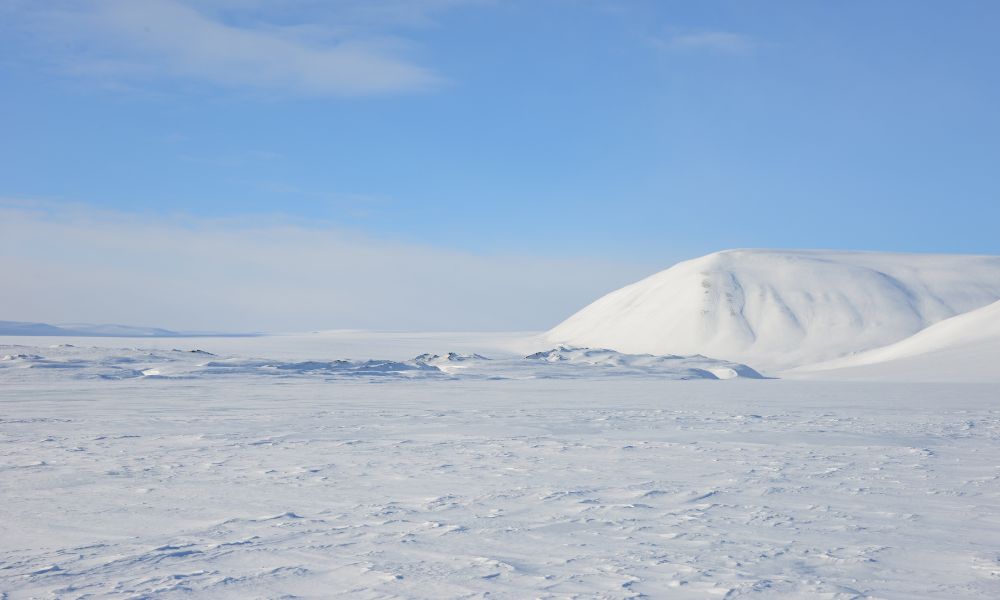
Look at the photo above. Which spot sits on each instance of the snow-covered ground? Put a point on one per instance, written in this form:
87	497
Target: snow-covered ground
38	364
554	476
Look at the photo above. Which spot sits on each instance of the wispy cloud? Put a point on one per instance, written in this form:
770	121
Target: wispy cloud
722	42
247	46
66	264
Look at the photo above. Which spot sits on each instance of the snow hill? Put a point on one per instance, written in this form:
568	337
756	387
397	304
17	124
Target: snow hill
776	309
965	347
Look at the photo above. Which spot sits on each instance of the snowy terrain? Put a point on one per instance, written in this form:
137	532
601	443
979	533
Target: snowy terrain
570	473
450	465
776	310
27	364
965	347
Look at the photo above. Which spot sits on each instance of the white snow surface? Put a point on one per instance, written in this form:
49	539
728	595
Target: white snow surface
777	309
965	347
598	482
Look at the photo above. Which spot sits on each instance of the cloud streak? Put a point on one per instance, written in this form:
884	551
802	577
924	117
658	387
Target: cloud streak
130	42
84	265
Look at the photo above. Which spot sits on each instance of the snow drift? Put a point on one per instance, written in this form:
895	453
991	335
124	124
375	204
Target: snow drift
965	347
778	309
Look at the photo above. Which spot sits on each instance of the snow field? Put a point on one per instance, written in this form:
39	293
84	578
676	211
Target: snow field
550	488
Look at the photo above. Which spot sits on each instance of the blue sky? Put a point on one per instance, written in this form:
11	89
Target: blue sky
637	133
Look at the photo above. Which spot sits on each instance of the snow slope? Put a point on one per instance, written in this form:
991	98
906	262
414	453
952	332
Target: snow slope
965	347
775	309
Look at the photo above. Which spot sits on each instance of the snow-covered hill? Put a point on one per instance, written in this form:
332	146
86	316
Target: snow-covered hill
777	309
965	347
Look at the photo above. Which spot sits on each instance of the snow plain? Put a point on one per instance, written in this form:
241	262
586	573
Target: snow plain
580	485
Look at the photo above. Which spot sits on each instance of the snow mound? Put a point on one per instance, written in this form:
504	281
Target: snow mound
965	347
452	363
778	309
334	368
692	367
566	362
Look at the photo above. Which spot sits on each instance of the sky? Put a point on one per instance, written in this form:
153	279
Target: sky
470	164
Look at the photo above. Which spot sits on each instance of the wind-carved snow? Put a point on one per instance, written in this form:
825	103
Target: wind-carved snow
781	309
32	363
238	486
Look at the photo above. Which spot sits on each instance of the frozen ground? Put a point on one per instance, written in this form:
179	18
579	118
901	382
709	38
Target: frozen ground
251	485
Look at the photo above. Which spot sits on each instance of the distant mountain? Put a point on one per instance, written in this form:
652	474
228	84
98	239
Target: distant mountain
112	330
775	309
21	328
88	330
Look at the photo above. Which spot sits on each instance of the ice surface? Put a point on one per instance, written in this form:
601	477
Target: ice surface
776	310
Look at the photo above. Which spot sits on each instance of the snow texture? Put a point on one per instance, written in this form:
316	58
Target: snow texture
28	363
193	467
244	485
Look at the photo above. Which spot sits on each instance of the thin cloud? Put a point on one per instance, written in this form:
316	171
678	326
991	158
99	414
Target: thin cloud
79	264
123	41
